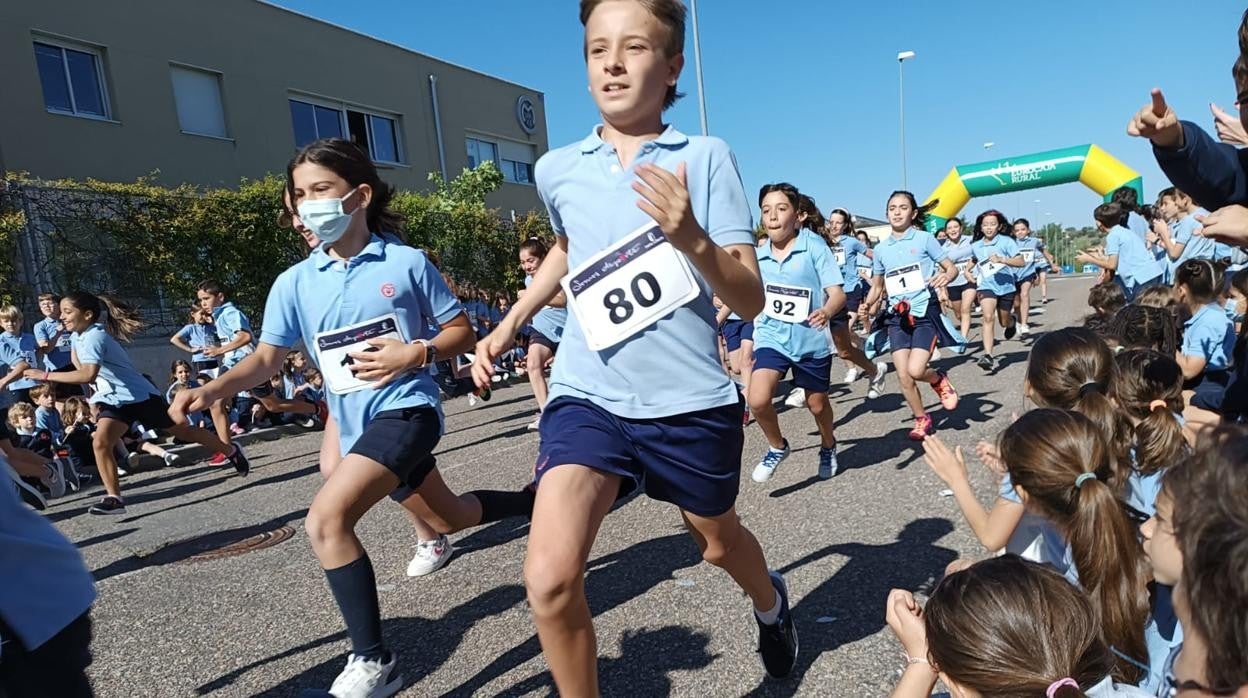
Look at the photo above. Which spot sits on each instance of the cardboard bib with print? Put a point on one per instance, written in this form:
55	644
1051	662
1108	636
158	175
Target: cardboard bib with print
903	280
333	347
839	253
786	303
628	287
1029	256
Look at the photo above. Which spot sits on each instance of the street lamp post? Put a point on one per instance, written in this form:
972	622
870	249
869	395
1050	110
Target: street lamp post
901	109
697	65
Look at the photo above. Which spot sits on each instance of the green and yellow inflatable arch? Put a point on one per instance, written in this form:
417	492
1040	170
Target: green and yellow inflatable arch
1095	168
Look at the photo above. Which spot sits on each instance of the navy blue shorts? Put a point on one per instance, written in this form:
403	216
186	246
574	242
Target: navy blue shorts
692	460
737	331
922	336
1005	301
853	299
1209	389
1029	279
955	292
402	440
536	337
152	413
809	373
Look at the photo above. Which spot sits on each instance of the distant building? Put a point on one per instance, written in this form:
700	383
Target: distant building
211	92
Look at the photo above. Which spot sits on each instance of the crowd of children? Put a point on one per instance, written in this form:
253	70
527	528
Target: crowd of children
1122	506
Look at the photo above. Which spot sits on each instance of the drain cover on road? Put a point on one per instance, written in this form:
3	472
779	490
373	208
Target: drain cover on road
221	545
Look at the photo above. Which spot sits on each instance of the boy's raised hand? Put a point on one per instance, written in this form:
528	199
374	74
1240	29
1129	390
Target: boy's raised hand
1157	122
665	198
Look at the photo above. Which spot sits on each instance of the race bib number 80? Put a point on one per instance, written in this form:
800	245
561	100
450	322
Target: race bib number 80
628	287
333	347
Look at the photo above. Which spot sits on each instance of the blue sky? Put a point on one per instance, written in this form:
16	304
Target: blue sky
807	91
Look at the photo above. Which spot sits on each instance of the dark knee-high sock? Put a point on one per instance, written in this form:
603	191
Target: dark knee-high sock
497	505
355	589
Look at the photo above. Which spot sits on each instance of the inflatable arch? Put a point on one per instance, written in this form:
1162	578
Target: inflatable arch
1095	168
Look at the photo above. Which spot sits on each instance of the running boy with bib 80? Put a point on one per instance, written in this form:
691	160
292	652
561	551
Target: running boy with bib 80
671	211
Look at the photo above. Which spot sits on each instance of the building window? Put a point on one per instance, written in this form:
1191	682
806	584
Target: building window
515	160
377	134
197	94
72	79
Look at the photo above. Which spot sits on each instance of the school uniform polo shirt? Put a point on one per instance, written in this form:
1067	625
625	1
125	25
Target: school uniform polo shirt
1209	334
961	255
45	330
672	366
1194	246
118	382
811	266
229	321
549	321
1002	280
22	346
1033	245
846	250
323	294
913	247
1135	265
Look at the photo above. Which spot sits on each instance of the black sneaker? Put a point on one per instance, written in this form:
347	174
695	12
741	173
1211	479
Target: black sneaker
109	505
238	459
777	643
1011	331
987	363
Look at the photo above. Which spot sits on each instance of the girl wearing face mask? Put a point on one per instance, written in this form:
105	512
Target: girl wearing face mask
366	306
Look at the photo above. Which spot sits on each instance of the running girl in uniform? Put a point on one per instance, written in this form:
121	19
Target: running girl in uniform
908	264
961	289
865	262
846	250
996	257
739	341
366	305
547	326
798	270
1032	251
642	315
122	395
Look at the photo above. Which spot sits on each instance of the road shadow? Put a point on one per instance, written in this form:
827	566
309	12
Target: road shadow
611	581
649	650
863	452
850	603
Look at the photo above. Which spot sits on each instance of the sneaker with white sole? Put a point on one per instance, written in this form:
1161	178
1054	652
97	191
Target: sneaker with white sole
430	556
777	642
877	383
28	492
53	479
108	505
1023	330
367	678
173	460
771	460
828	467
852	374
536	424
796	398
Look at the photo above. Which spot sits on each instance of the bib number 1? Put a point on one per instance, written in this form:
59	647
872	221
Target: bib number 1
628	287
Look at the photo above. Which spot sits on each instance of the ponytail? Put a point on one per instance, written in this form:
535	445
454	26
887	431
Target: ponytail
120	319
1060	459
1150	390
814	221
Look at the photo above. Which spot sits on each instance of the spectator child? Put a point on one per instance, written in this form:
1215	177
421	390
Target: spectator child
20	347
46	416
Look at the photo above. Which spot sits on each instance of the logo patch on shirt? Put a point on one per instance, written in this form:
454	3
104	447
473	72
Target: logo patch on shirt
388	290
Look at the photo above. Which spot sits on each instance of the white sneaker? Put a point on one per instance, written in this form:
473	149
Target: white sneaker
472	399
877	383
852	374
536	424
430	556
173	460
797	398
770	461
1023	330
53	479
363	678
133	460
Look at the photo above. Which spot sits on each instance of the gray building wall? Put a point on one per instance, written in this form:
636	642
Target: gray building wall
264	55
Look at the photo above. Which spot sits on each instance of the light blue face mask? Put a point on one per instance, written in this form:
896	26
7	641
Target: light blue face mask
1232	310
325	217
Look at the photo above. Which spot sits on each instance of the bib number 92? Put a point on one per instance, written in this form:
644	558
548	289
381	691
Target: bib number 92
644	289
785	308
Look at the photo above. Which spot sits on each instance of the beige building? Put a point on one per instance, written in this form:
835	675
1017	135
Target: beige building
210	92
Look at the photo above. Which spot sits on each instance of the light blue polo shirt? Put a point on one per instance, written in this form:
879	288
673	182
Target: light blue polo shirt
1135	264
809	265
1038	539
961	255
58	357
45	585
229	321
1035	246
893	252
322	293
197	336
847	249
549	321
22	346
118	381
1194	246
1003	281
673	366
1211	335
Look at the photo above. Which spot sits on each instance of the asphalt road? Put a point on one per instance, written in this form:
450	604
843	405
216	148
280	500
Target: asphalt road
264	623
